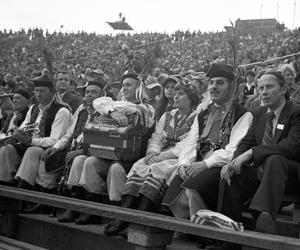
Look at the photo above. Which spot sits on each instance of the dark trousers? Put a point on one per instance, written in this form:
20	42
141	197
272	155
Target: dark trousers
280	175
207	185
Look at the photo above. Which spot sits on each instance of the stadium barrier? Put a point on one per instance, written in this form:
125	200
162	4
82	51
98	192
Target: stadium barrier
153	230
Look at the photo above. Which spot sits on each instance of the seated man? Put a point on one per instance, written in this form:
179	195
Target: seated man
90	172
12	120
52	120
74	136
64	90
267	161
215	134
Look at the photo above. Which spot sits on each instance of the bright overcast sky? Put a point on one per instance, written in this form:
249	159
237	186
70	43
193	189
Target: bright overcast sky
142	15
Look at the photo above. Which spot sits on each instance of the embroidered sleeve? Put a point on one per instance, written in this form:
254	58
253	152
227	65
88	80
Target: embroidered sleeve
156	142
103	105
186	150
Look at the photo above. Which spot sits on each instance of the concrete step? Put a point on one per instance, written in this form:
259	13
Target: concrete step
44	231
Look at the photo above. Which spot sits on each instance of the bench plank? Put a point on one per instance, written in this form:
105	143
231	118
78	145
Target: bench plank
249	238
13	244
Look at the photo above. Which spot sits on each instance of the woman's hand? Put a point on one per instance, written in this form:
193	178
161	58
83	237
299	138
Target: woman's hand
149	156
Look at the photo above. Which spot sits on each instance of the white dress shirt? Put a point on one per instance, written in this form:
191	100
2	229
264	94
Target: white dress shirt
61	123
186	150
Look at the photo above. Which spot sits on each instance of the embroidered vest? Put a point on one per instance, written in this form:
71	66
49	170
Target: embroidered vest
47	117
237	112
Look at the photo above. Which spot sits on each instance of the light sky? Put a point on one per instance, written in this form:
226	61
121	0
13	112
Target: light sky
142	15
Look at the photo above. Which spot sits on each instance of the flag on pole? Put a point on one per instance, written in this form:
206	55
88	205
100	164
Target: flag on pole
119	25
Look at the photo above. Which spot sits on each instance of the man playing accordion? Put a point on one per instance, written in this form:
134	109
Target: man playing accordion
89	173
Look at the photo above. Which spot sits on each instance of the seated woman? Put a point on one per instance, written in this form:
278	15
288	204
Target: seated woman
149	178
88	173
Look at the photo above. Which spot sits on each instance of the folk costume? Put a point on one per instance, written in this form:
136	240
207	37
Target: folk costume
213	138
52	122
153	180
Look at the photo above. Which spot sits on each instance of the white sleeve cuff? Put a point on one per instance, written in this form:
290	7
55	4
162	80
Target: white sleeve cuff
211	162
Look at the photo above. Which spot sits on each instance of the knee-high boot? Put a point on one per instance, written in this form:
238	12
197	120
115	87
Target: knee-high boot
70	215
115	227
146	204
85	219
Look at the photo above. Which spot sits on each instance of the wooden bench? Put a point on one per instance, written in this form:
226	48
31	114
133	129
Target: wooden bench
295	200
150	226
11	244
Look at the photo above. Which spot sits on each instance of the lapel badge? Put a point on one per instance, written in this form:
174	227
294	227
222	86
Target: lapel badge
280	126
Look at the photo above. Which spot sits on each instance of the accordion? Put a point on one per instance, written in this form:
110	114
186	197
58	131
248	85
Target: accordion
107	140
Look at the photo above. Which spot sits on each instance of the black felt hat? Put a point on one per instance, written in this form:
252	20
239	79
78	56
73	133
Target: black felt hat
99	81
129	74
23	92
43	81
220	70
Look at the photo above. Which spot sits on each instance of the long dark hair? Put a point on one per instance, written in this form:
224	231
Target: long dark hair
163	101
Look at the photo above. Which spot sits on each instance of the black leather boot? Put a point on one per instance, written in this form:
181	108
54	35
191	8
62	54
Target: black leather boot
146	204
70	215
25	185
86	219
115	227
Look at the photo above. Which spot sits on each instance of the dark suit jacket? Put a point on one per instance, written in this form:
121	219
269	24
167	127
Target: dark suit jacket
286	140
72	100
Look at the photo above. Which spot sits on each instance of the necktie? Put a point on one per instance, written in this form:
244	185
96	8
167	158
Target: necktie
267	139
268	135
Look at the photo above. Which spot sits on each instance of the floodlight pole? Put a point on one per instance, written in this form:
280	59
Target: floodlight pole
294	17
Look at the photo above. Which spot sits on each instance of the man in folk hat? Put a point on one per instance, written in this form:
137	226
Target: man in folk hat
84	113
74	137
89	173
23	159
13	119
215	134
63	89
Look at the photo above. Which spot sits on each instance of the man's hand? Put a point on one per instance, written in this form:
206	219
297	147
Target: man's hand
23	137
235	165
182	172
120	118
226	173
196	168
49	152
72	154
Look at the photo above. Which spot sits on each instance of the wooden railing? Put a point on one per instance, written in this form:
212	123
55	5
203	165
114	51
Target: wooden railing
150	223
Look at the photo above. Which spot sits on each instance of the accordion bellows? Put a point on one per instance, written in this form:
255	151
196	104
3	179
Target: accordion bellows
211	218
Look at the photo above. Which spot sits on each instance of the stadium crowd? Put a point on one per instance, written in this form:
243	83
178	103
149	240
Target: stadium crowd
204	120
